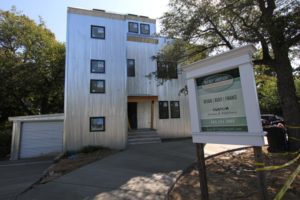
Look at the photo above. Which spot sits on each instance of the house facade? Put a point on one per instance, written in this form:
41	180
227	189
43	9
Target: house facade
107	90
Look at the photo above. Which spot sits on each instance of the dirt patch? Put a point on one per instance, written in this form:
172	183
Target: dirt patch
71	162
232	176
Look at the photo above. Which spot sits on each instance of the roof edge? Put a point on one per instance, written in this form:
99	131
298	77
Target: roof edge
109	15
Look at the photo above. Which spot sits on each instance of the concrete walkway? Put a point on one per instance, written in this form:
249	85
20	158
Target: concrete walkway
16	176
139	172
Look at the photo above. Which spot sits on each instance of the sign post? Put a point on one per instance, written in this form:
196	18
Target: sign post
202	171
223	104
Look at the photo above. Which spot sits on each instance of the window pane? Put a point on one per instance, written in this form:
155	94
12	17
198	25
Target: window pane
98	32
172	70
161	70
97	66
133	27
167	70
145	29
175	109
97	86
130	67
97	124
163	110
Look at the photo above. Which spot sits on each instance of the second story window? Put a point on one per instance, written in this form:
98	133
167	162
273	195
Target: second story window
98	32
167	70
133	27
130	67
145	29
98	66
97	86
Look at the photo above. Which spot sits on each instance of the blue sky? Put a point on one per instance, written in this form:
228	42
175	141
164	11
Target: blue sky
54	12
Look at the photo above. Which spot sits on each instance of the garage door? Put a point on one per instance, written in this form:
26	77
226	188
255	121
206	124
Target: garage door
41	138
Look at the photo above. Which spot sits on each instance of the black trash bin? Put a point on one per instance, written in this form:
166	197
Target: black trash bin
277	139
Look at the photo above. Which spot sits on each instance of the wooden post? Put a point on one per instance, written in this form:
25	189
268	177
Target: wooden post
202	171
152	115
261	176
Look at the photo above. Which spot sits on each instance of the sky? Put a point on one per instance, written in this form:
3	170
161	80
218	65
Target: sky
54	12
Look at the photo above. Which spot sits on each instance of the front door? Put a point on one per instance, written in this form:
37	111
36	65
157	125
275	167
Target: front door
132	114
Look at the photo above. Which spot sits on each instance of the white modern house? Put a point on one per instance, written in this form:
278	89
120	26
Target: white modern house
108	93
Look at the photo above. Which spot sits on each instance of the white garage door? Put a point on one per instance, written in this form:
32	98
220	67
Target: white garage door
40	138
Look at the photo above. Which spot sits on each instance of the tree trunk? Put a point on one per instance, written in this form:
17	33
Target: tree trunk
288	99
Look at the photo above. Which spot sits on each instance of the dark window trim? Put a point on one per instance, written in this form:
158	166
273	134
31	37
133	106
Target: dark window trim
141	30
97	72
133	67
91	124
167	116
101	38
97	92
133	23
172	114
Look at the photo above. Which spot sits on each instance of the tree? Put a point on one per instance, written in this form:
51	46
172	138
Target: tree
174	52
267	91
273	25
31	67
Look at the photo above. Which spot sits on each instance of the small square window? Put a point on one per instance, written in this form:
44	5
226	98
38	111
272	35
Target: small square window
167	70
97	86
130	67
97	124
98	32
133	27
98	66
163	109
145	29
175	109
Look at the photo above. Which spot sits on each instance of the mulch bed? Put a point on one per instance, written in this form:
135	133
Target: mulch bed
70	163
232	176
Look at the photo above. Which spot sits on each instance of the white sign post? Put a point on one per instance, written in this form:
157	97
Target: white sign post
223	101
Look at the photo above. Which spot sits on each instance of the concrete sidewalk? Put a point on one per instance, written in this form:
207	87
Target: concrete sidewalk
139	172
16	176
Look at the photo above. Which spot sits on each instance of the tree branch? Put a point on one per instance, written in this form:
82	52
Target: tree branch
223	38
268	62
294	40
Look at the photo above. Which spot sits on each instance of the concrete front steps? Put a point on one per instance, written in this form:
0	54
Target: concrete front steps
143	136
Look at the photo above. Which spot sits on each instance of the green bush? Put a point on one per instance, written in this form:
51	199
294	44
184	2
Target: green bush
90	149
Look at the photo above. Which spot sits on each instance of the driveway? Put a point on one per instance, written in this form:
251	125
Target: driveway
139	172
16	176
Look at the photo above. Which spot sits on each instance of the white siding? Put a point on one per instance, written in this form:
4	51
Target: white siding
169	91
79	103
144	65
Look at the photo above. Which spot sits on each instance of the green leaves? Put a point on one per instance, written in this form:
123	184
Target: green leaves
31	67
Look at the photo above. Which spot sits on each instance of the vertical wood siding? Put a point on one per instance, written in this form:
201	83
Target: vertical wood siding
79	103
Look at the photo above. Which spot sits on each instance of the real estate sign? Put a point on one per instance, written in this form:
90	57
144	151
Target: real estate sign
223	99
220	100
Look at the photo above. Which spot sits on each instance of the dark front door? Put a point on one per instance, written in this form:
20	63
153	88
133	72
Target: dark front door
132	114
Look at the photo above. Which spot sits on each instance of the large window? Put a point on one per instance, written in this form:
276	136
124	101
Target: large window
97	124
133	27
97	86
175	109
163	109
130	67
98	66
98	32
145	29
167	70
